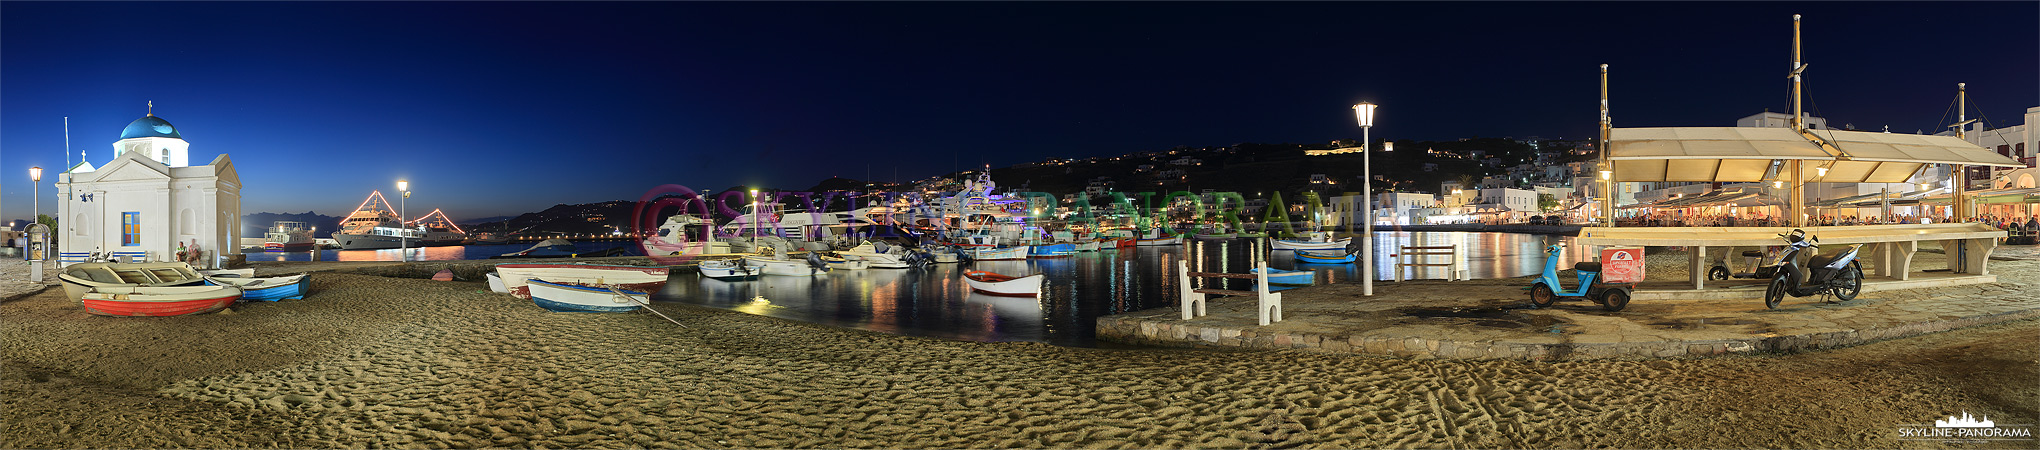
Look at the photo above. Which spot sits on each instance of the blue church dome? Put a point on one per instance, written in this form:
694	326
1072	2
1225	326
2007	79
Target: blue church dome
150	126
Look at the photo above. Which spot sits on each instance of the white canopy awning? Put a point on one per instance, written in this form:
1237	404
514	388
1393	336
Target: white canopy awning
1739	154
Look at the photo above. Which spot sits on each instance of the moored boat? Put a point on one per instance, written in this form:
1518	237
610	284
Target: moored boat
265	289
288	236
879	255
563	297
158	301
1326	256
375	225
84	277
780	265
1006	285
1051	250
1090	245
1171	240
635	278
1291	244
1288	277
730	269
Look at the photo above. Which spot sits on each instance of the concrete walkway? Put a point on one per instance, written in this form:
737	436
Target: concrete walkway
1493	319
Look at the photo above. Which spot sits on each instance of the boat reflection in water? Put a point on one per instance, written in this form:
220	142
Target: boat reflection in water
936	302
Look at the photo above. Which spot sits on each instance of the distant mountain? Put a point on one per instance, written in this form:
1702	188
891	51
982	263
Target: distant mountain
257	224
484	220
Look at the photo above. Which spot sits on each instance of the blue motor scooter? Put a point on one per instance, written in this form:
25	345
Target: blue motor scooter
1547	290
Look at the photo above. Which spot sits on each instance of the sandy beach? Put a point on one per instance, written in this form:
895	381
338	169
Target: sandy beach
386	362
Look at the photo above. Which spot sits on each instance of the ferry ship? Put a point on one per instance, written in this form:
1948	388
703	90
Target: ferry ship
374	225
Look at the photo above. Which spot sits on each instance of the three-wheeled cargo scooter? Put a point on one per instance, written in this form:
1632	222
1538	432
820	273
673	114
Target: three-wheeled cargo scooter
1547	289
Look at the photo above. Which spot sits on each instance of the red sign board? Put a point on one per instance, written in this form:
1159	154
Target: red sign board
1622	264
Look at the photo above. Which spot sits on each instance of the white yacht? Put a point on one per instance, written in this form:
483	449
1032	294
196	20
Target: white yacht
375	225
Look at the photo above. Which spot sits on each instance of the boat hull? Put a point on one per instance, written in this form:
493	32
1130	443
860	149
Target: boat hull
1051	250
783	267
1172	240
634	278
348	241
78	279
266	289
1284	244
1307	256
559	297
1288	277
1001	285
729	270
158	301
999	254
290	247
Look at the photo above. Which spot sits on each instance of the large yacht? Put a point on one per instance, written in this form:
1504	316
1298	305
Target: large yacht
375	225
439	230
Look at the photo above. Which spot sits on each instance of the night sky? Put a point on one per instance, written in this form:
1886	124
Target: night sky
502	108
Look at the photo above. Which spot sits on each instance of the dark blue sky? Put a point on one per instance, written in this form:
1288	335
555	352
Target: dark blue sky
500	108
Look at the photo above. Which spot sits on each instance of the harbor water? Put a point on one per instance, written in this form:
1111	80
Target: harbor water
935	302
444	253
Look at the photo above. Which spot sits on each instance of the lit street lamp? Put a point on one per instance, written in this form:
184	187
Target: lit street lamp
1365	113
403	214
754	220
35	215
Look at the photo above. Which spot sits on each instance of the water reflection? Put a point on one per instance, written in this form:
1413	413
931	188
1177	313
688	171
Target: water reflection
446	253
937	303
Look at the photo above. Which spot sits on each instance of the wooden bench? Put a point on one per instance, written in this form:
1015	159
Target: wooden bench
1268	305
1411	256
68	258
141	256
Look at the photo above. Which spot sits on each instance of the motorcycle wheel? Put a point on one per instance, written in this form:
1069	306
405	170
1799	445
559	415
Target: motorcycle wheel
1614	299
1775	294
1541	296
1851	282
1717	273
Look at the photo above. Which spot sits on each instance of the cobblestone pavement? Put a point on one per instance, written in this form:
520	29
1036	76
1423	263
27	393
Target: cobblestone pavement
1493	319
14	279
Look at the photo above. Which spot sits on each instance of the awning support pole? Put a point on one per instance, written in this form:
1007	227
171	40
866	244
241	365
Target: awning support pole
1607	167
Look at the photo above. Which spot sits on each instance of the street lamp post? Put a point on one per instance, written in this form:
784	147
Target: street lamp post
35	214
1365	113
403	214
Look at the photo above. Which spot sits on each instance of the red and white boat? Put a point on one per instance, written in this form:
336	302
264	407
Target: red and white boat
632	278
130	301
81	278
1006	285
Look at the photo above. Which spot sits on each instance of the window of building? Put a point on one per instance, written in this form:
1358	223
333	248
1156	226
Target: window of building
131	228
166	156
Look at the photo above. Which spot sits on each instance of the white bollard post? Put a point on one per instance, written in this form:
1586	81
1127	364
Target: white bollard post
1268	303
1192	302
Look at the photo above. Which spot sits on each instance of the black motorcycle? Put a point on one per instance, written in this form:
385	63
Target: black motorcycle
1832	273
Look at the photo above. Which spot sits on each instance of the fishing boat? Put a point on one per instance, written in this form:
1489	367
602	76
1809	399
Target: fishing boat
564	297
84	277
375	225
265	289
288	236
730	270
496	283
1325	244
158	301
635	278
1091	245
228	273
1057	250
1325	256
985	247
1006	285
1281	277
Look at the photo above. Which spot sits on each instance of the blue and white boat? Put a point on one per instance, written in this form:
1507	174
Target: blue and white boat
558	297
1326	256
265	289
1279	277
1051	250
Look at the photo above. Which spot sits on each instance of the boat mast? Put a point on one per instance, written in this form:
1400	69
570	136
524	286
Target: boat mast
1961	172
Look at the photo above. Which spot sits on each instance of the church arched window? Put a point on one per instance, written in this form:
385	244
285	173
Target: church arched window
166	156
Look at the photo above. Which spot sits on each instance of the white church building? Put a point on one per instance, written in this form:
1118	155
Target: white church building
149	199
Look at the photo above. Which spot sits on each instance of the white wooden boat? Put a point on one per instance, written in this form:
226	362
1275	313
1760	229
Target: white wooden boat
242	273
1171	240
266	289
635	278
84	277
1288	244
1006	285
158	301
561	297
998	253
1088	245
496	283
